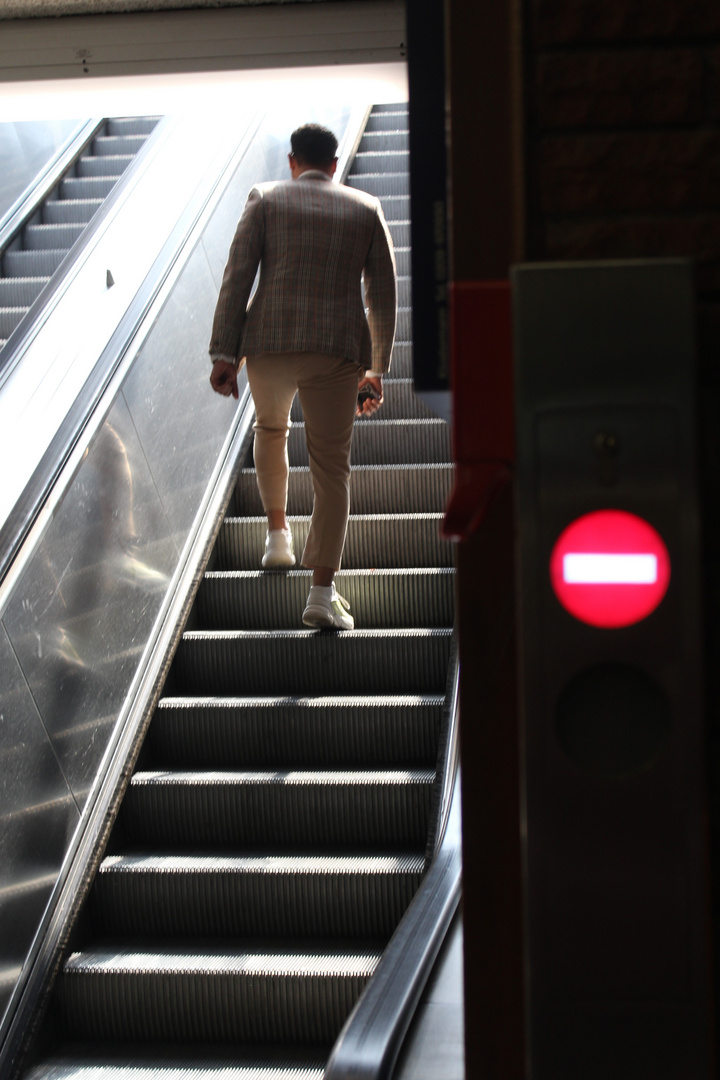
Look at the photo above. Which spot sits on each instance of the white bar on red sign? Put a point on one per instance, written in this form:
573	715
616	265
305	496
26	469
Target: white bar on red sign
586	568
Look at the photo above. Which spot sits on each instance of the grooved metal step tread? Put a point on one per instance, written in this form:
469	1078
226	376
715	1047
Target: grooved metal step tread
132	125
373	541
87	187
313	732
402	258
258	600
52	237
391	121
193	991
67	211
274	811
265	865
373	489
310	661
103	165
199	958
9	319
393	140
385	442
21	292
138	1061
255	896
400	232
337	778
32	263
380	184
380	161
114	145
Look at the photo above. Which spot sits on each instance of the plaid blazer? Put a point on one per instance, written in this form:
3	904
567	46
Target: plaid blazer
313	241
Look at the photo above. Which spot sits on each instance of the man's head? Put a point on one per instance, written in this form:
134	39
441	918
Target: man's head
313	147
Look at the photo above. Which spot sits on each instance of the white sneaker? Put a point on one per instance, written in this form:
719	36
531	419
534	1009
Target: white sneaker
327	610
278	549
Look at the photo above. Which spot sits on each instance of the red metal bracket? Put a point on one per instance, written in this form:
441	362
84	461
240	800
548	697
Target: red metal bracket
483	407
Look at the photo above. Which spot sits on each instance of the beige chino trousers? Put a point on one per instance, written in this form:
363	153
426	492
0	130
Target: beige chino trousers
327	387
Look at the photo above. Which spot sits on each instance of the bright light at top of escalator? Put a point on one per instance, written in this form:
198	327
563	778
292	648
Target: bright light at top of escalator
217	93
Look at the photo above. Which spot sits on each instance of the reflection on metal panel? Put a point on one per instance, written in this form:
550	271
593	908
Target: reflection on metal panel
174	362
80	618
37	818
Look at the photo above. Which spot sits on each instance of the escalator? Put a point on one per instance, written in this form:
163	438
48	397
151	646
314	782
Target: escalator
281	814
35	252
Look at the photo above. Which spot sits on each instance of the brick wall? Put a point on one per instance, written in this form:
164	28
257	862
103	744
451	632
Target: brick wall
623	161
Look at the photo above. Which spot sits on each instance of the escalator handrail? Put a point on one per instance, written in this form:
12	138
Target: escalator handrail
369	1043
47	178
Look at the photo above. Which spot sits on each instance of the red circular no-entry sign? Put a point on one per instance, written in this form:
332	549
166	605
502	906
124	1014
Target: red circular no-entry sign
610	568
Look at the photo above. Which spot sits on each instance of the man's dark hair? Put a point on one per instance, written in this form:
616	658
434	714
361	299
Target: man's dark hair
314	145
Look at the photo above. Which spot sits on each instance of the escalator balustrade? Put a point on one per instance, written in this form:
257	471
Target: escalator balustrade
275	829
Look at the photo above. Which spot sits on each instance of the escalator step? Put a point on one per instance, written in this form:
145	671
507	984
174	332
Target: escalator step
373	541
66	211
132	125
380	161
385	442
400	233
404	287
396	207
402	360
277	811
214	995
246	896
403	329
302	661
32	263
394	140
395	120
108	165
381	183
21	292
115	145
87	187
256	600
149	1062
51	237
318	732
402	261
9	319
382	489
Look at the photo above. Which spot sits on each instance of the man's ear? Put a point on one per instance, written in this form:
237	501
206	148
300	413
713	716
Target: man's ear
334	166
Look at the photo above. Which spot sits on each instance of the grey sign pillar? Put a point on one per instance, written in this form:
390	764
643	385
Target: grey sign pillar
616	886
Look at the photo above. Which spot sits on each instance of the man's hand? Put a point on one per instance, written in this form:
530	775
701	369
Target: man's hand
372	403
223	378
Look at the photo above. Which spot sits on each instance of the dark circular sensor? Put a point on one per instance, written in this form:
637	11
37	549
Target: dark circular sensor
613	721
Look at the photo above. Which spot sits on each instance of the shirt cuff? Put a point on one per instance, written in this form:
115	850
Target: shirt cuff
221	356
